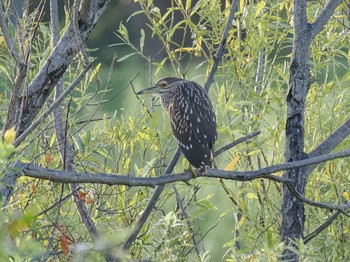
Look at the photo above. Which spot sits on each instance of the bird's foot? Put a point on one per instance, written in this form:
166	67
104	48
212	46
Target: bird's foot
195	172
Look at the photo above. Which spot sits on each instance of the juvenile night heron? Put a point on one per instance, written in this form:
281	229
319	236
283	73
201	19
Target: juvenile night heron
192	118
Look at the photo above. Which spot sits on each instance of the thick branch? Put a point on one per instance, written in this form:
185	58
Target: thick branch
331	142
327	12
114	179
53	106
54	68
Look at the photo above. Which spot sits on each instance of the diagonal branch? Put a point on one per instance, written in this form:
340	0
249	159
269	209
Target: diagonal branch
53	106
331	142
236	142
158	191
8	39
341	208
55	66
21	69
222	45
324	17
322	227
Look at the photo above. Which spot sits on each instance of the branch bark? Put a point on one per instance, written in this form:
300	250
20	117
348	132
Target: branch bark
35	171
53	69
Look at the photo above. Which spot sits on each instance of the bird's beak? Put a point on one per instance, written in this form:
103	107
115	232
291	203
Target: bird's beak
150	90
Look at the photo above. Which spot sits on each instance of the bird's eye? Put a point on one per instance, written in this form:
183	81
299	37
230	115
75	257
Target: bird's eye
163	84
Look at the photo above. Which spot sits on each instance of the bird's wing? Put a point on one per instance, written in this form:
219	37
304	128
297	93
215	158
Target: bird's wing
194	125
203	117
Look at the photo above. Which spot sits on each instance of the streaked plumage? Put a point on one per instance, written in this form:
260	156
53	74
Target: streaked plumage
192	118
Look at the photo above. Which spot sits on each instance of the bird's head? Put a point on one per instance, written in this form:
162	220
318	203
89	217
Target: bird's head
165	86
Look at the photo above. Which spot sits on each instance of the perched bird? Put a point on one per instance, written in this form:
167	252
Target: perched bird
192	118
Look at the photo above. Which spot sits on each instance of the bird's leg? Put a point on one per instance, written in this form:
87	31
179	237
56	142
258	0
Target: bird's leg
195	172
212	159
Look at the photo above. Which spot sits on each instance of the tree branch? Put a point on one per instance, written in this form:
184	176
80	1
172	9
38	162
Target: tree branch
8	39
61	132
158	191
236	142
331	142
341	208
54	68
21	69
35	171
54	105
323	18
222	45
322	227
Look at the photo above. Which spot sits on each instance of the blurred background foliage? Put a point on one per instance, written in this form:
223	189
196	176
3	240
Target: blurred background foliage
114	131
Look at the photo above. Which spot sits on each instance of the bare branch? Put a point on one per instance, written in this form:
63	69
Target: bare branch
342	208
187	220
35	171
324	17
61	132
222	45
21	69
8	39
236	142
331	142
322	227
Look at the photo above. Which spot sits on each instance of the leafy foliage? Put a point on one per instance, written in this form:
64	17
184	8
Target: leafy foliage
231	221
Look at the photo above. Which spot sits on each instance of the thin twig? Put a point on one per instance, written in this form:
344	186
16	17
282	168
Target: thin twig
58	202
222	45
236	142
188	222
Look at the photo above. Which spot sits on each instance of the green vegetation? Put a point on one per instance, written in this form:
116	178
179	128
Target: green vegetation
232	221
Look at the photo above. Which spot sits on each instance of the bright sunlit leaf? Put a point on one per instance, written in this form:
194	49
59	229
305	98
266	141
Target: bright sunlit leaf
94	72
10	135
259	8
346	196
232	164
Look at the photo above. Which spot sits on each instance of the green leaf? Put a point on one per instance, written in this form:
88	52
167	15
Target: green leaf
94	73
188	5
259	8
142	40
126	57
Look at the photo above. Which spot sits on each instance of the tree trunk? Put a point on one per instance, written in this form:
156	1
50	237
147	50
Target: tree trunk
293	217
